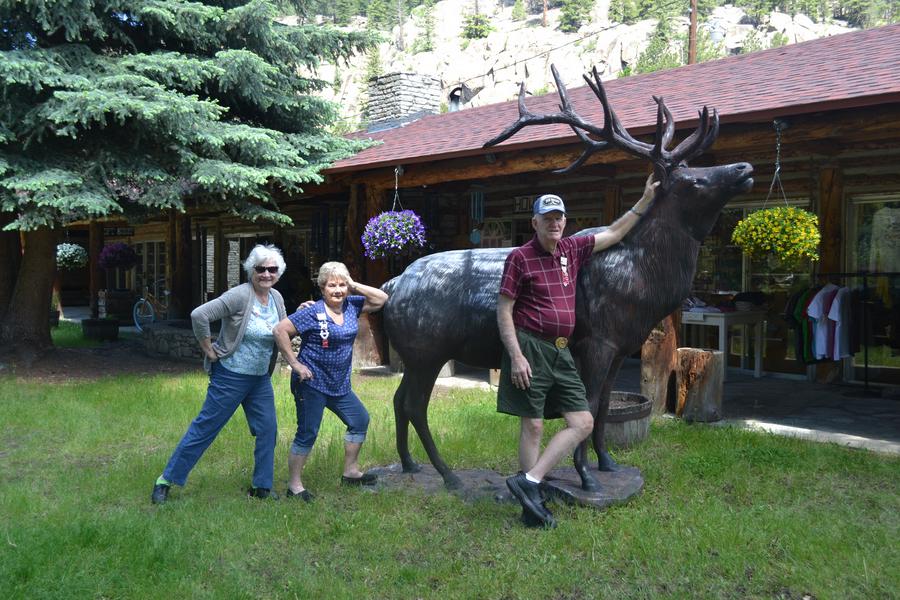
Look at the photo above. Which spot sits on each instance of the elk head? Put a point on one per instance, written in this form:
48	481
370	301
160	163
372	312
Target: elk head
707	188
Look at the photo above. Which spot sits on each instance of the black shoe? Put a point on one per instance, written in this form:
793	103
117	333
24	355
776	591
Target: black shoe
261	493
364	479
160	493
529	496
530	520
304	495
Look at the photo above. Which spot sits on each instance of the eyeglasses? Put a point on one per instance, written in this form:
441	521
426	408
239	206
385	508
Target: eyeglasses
262	270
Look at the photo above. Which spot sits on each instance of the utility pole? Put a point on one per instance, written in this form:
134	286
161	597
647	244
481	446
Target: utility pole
544	18
692	35
400	43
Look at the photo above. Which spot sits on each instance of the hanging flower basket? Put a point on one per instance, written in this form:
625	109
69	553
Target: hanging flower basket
70	256
788	233
393	233
117	256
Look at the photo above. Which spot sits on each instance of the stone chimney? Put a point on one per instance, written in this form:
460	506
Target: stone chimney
399	98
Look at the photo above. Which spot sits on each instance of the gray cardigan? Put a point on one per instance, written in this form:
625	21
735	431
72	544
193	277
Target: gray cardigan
234	309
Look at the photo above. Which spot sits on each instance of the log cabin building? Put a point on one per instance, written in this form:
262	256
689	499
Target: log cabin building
835	102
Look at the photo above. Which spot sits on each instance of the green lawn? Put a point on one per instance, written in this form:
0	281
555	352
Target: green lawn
724	513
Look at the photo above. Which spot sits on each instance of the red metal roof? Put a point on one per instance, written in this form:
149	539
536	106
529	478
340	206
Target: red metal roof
855	69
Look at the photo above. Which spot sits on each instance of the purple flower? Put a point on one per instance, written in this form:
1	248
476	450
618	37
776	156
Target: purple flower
392	233
117	256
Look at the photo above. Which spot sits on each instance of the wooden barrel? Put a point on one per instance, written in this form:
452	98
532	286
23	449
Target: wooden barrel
628	420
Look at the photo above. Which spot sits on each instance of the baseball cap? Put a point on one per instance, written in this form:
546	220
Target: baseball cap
548	203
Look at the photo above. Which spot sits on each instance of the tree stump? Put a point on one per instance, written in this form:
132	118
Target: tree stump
699	384
658	364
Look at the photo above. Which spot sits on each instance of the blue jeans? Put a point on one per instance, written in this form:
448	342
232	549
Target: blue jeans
311	405
228	390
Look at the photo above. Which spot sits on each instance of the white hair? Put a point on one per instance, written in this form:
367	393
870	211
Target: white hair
262	253
332	270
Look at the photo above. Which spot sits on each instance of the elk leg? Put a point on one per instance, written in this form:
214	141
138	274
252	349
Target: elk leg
401	420
594	366
605	462
418	397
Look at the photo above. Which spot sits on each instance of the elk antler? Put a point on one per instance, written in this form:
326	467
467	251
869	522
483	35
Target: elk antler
614	134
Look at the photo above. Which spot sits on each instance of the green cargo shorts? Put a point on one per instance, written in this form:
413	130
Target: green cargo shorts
555	387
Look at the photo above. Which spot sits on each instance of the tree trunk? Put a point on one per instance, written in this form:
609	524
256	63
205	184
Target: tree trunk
10	257
659	361
699	380
25	329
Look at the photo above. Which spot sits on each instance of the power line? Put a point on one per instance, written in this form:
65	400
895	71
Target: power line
664	8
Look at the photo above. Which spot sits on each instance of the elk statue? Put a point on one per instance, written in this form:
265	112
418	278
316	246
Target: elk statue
443	306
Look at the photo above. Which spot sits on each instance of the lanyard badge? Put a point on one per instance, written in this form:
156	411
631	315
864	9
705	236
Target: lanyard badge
323	328
563	264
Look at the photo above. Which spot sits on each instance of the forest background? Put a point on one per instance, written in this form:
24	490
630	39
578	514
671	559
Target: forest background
471	41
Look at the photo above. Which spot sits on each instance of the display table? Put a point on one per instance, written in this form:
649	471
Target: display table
724	320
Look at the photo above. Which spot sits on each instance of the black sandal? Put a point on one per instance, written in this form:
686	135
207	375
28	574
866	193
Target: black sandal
304	495
364	479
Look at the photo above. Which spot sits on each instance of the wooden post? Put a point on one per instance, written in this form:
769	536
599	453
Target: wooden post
180	259
371	340
95	281
376	270
699	382
831	195
353	250
659	359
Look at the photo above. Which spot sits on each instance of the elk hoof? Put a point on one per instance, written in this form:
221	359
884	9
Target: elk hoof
589	484
607	464
411	467
452	482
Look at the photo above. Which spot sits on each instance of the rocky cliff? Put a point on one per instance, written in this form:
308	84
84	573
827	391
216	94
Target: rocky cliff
490	69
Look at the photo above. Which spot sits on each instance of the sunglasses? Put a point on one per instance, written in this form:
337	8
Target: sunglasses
261	270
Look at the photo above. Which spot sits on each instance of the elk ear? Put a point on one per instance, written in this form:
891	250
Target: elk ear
660	174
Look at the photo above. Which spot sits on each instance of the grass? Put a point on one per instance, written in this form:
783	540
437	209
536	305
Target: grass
724	513
68	335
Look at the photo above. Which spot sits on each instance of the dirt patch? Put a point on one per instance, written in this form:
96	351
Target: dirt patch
124	357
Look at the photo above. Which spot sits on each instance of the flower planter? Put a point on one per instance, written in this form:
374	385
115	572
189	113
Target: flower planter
393	233
100	329
628	421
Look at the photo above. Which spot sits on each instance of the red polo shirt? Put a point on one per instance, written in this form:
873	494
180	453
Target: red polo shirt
543	291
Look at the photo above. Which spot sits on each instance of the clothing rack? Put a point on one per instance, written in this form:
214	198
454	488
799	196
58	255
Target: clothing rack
864	275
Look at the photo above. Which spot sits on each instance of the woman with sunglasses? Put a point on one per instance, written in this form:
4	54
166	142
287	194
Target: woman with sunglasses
321	370
240	363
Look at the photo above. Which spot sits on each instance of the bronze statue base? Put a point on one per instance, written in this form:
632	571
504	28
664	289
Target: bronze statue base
564	484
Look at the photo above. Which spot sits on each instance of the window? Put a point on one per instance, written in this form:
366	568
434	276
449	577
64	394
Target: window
874	246
150	270
723	270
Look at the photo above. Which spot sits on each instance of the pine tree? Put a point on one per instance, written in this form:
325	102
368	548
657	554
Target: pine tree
425	41
377	14
518	11
659	54
147	106
574	14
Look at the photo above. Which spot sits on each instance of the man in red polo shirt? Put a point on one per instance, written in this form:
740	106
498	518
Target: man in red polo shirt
536	316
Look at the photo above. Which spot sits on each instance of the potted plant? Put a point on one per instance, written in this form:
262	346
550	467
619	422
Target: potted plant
100	329
393	233
118	255
785	234
70	256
